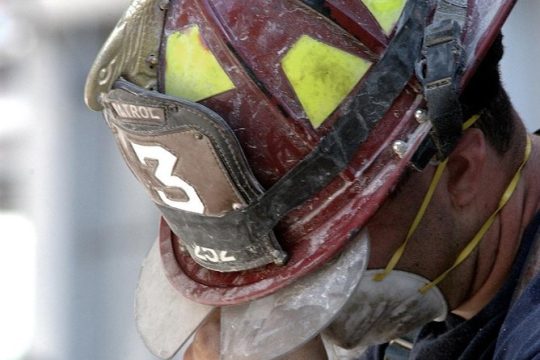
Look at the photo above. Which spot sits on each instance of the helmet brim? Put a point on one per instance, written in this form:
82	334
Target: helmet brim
261	329
165	319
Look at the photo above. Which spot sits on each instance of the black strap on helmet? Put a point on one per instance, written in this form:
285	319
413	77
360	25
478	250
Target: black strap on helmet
440	72
385	82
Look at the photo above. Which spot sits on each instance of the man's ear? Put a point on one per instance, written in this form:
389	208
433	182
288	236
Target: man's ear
466	165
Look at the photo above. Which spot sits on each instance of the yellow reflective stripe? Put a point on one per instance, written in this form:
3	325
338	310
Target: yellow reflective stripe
387	12
467	251
192	71
322	76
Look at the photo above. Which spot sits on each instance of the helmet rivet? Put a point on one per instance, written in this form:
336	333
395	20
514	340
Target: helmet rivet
279	258
237	206
198	136
421	116
103	73
400	148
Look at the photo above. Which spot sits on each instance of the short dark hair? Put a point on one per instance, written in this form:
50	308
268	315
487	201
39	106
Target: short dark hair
485	95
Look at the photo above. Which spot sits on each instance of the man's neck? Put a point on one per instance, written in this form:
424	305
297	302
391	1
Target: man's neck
505	237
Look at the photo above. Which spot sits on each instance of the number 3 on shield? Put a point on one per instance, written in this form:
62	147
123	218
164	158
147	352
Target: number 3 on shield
164	173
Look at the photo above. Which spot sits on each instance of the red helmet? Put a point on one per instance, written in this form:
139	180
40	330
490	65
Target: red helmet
269	131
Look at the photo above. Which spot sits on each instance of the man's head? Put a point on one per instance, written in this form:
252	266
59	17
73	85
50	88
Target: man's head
282	126
478	170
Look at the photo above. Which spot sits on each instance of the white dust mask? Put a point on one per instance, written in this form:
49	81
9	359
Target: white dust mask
379	311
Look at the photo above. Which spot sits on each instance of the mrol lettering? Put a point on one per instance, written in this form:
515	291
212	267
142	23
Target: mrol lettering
138	112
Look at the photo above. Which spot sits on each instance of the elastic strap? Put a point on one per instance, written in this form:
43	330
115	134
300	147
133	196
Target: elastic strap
427	199
480	234
418	218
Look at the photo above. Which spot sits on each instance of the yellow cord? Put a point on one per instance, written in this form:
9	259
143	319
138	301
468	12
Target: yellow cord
427	199
467	124
425	202
473	244
480	234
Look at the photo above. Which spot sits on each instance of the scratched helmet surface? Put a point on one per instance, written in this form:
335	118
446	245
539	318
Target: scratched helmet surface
268	132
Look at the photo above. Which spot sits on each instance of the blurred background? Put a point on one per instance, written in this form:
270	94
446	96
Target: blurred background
74	225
